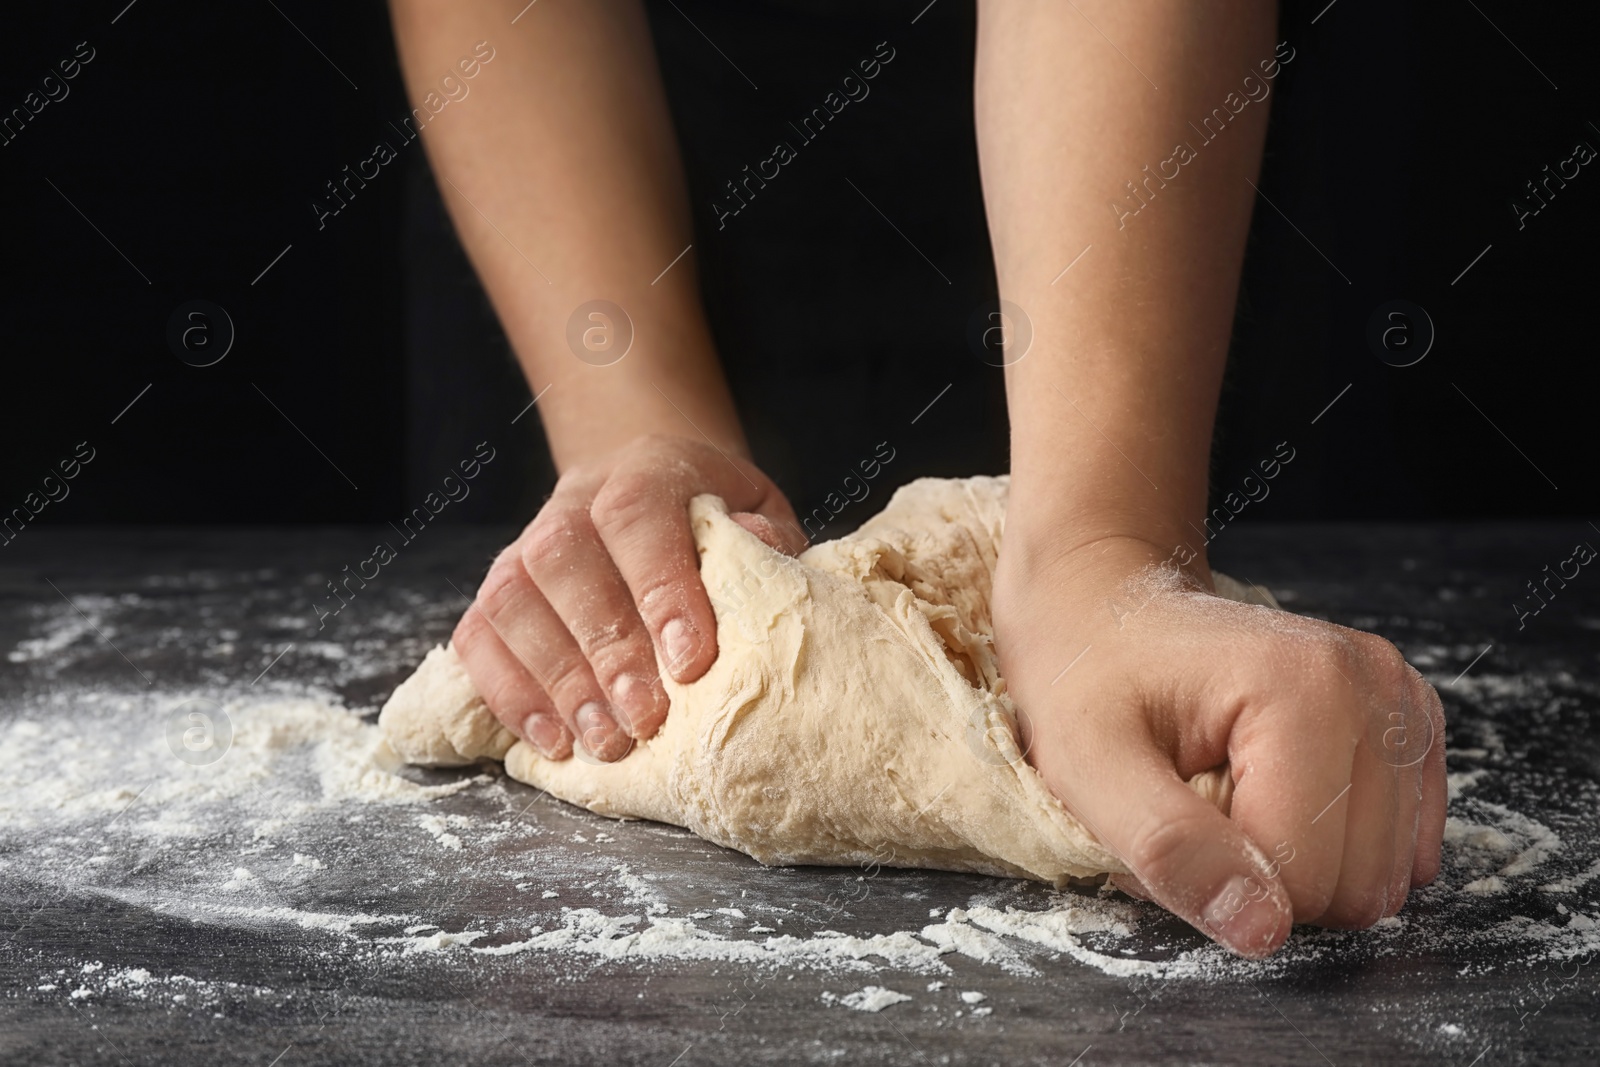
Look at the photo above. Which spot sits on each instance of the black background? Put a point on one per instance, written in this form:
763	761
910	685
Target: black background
198	137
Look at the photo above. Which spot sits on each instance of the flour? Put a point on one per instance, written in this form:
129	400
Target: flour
1510	843
1459	782
63	629
434	942
309	795
241	878
232	914
641	892
140	985
873	998
589	932
1575	882
105	765
954	935
437	825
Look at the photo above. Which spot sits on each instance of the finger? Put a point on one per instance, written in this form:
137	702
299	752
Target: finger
1292	781
1413	714
509	690
574	573
535	635
641	515
1399	735
1361	897
1431	813
1185	852
1408	803
1131	885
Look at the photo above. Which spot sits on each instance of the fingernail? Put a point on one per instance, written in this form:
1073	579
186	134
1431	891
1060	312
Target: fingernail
632	702
544	732
1246	916
595	726
677	641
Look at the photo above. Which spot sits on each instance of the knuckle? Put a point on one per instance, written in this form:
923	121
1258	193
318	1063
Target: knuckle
1374	662
609	645
569	682
624	501
502	586
1350	681
508	696
1319	666
469	633
1159	847
556	529
1385	659
1333	665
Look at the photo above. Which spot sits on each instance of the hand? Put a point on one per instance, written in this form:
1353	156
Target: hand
564	636
1335	744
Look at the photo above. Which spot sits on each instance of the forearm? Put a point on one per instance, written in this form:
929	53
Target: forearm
1112	408
563	179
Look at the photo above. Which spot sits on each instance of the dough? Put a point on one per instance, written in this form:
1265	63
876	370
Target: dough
854	715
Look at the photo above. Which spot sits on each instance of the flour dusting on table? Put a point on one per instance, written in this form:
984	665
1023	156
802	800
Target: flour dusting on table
293	819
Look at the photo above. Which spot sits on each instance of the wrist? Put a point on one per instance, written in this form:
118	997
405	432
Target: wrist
1073	530
605	450
594	419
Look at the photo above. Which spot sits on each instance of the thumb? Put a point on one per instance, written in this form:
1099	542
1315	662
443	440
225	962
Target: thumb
1185	853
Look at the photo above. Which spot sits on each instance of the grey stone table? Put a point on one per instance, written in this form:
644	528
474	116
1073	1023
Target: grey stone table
283	912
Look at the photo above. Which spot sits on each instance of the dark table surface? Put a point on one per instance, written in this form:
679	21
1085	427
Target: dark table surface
266	923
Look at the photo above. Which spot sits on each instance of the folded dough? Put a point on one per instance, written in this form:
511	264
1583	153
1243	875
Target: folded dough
855	713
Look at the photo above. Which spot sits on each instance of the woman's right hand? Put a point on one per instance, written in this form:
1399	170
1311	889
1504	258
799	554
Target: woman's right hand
564	636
